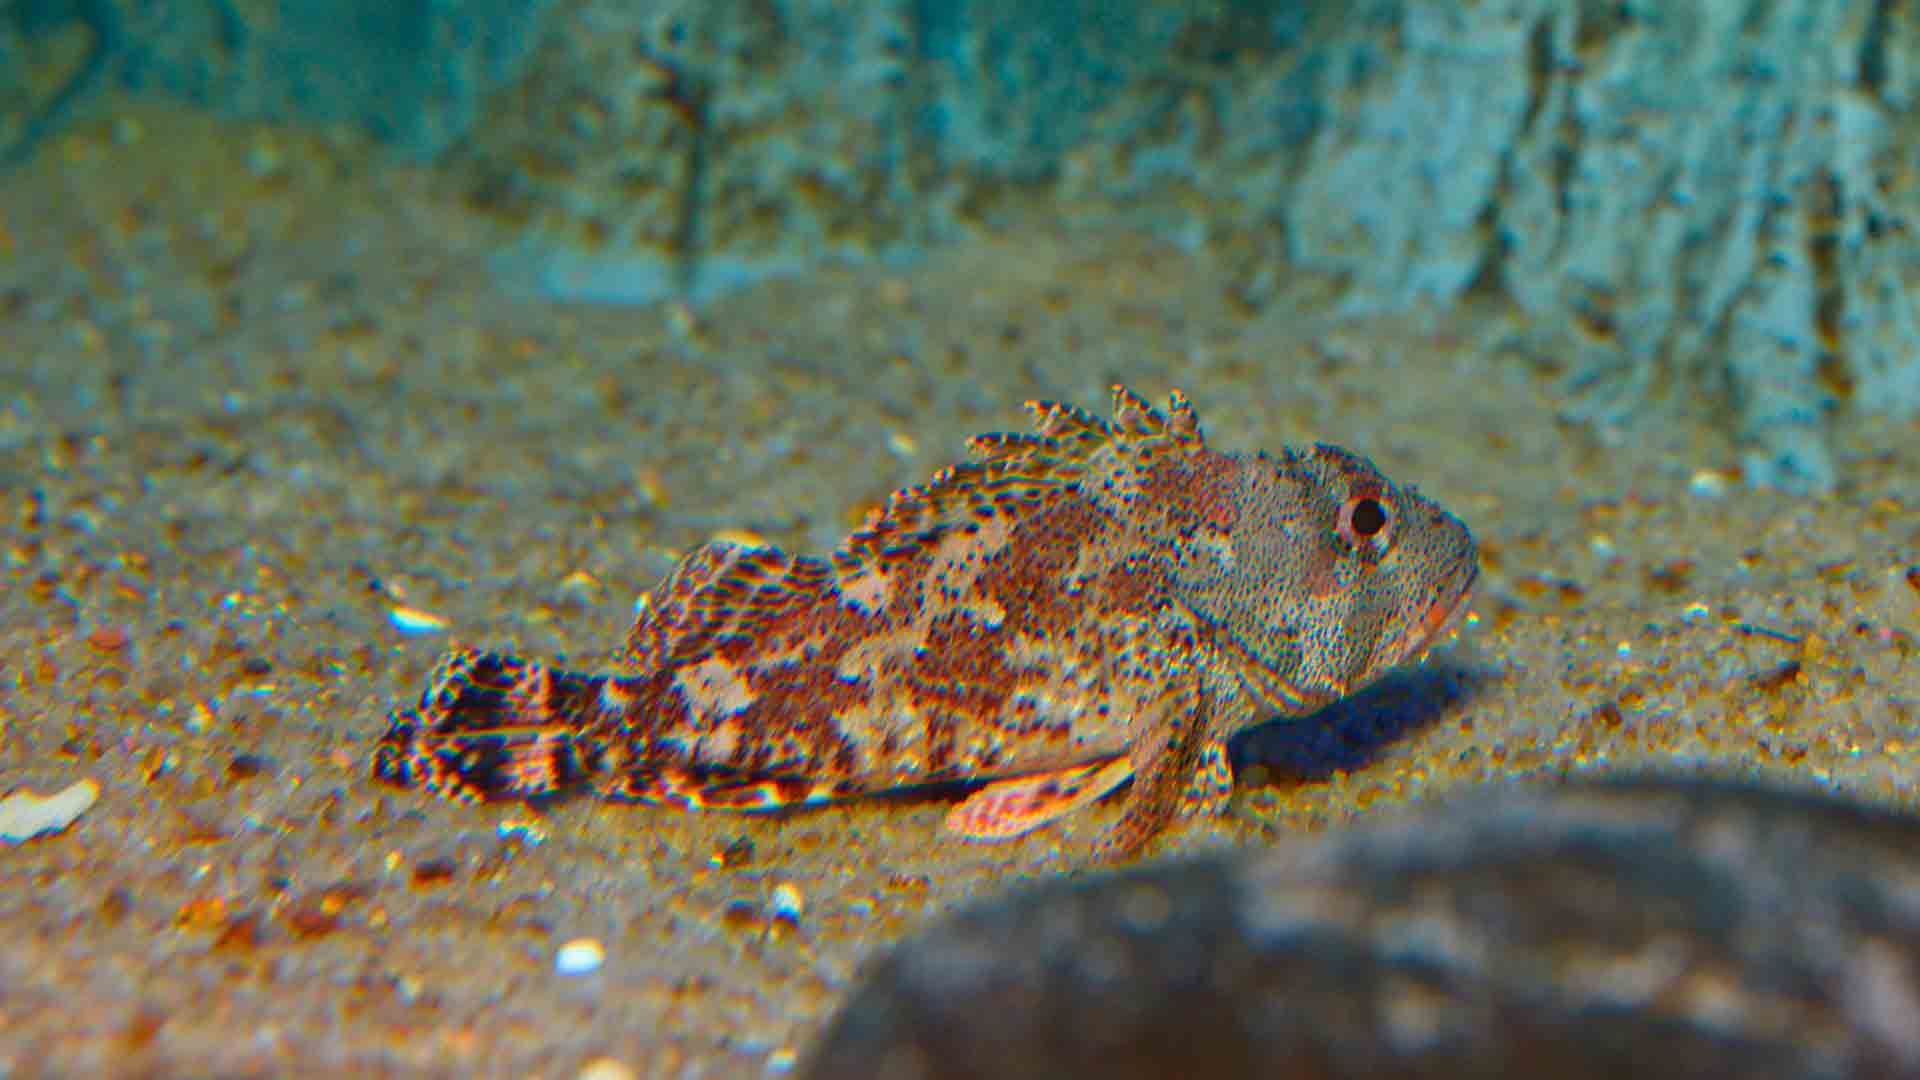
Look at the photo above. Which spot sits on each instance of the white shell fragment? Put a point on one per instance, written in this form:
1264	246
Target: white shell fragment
412	620
24	815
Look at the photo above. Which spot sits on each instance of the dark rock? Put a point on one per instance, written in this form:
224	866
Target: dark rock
1645	928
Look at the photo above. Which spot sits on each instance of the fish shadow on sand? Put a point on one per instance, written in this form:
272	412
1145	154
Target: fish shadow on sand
1343	737
1347	735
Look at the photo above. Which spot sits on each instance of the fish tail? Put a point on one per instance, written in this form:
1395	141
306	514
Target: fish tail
492	726
495	726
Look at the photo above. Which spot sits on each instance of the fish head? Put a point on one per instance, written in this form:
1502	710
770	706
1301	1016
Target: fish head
1326	575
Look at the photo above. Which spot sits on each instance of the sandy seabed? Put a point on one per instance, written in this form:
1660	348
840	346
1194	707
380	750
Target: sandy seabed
257	395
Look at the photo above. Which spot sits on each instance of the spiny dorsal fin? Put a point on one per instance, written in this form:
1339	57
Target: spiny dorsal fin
1183	424
958	496
723	593
1058	420
1012	472
718	593
1137	422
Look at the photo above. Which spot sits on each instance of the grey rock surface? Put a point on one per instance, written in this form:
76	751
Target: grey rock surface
53	55
1010	87
682	148
672	148
1698	205
1680	202
1646	928
413	72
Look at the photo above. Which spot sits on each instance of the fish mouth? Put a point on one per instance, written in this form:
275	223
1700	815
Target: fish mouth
1442	618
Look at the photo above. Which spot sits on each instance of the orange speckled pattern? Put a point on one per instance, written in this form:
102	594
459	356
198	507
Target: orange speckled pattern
1090	603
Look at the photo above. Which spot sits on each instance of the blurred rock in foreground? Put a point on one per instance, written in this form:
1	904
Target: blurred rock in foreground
1645	928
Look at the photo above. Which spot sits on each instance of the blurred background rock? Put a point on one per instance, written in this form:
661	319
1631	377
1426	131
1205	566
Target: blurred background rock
1663	203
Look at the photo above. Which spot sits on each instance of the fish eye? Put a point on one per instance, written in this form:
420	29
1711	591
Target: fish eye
1363	517
1368	517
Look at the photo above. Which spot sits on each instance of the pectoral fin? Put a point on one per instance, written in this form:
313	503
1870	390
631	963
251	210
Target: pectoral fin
1211	788
1168	759
1010	808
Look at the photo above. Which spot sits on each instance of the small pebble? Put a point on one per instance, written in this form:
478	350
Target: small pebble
1708	483
581	956
742	537
735	853
530	833
606	1069
108	639
682	320
263	158
787	903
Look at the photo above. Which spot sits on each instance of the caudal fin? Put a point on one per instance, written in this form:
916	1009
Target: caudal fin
494	726
491	726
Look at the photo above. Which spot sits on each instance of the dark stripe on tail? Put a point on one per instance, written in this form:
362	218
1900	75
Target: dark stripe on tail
494	726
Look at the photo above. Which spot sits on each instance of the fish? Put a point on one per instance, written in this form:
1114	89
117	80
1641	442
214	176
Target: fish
1092	605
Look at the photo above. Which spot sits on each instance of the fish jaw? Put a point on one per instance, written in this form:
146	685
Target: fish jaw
1442	619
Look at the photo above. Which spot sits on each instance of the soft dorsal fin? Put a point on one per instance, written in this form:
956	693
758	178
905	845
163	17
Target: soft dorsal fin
1012	472
719	593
